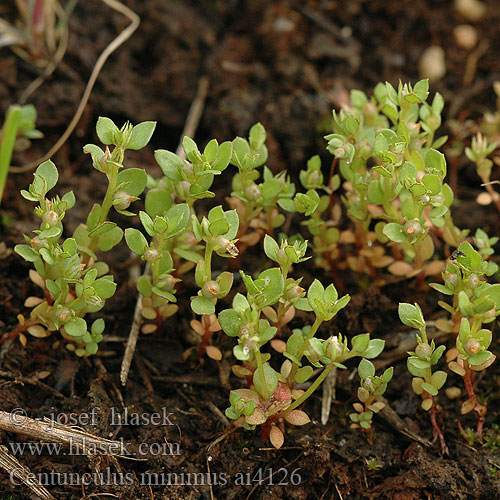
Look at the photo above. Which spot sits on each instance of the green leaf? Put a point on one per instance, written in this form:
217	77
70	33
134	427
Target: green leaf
136	241
438	379
360	342
265	381
229	321
202	305
106	130
429	388
303	374
223	158
411	315
479	358
102	229
270	247
294	343
48	171
366	369
158	201
395	232
432	183
104	287
140	136
26	252
178	218
110	239
98	327
76	327
170	163
135	180
375	347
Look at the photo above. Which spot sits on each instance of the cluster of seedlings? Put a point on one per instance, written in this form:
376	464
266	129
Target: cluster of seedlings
391	176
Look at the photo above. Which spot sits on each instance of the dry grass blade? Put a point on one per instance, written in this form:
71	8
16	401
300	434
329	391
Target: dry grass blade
16	470
119	40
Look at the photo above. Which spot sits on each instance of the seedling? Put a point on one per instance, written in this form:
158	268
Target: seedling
420	362
257	203
475	302
370	388
271	398
404	190
73	280
19	121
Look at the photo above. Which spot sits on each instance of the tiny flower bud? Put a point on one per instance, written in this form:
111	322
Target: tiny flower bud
38	243
188	169
151	255
51	218
473	280
423	351
334	349
227	245
210	289
413	227
252	192
294	292
472	346
451	279
315	178
121	200
425	198
63	314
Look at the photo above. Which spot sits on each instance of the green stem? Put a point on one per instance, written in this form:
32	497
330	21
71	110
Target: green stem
9	134
311	389
304	346
208	261
260	368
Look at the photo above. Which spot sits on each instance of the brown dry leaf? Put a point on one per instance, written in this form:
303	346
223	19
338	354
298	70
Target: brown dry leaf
297	393
213	323
444	325
32	301
250	239
185	267
451	354
278	345
347	237
168	310
23	339
358	407
241	371
383	261
289	315
37	279
456	368
377	406
400	268
426	404
258	417
38	331
434	267
197	326
297	417
214	353
276	437
149	328
467	406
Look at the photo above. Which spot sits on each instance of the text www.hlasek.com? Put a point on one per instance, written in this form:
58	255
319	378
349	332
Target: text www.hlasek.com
82	447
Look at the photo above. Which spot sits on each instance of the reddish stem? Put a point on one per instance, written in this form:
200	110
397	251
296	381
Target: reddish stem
437	430
479	409
19	329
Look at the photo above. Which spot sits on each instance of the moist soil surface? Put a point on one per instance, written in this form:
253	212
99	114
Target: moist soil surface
286	64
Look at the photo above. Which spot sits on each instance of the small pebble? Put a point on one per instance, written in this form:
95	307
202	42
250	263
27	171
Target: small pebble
473	10
432	64
465	36
453	392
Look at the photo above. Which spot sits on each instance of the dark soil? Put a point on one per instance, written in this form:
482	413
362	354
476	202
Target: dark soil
286	64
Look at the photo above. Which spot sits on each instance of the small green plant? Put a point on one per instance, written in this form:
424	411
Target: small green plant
475	303
257	203
19	121
75	283
271	398
370	388
393	180
425	382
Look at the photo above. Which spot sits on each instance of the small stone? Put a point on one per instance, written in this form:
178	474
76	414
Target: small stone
465	36
432	63
473	10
